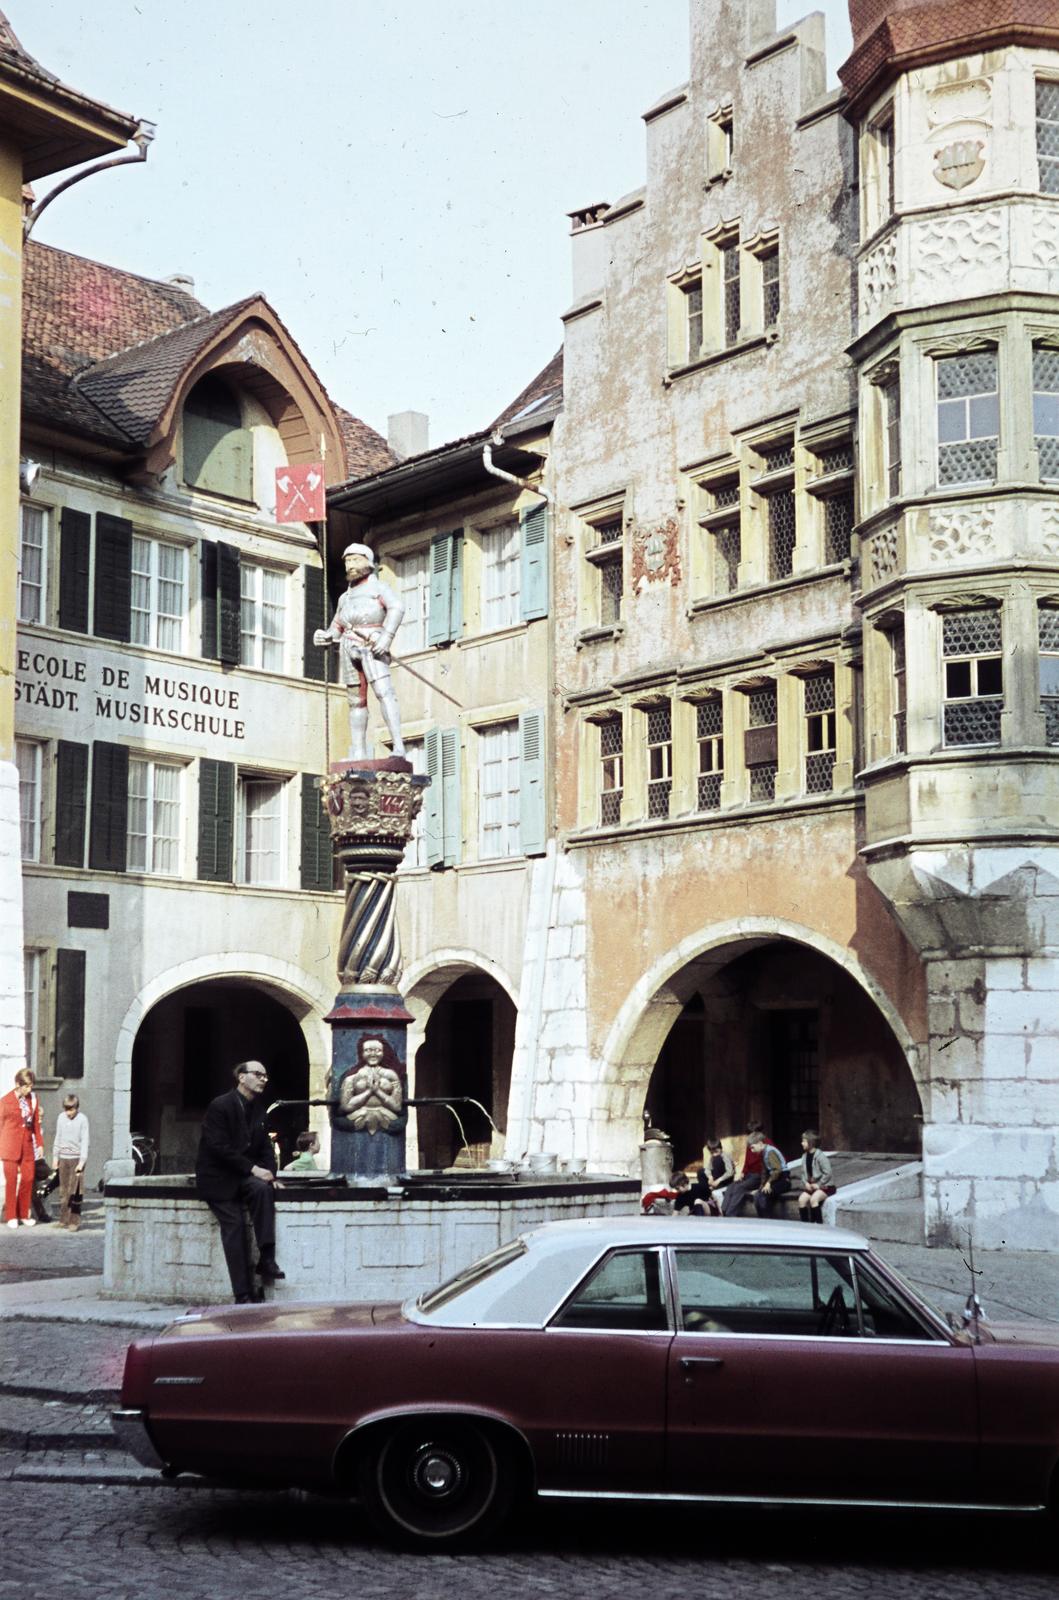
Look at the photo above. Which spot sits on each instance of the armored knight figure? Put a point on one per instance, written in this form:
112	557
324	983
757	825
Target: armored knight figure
363	627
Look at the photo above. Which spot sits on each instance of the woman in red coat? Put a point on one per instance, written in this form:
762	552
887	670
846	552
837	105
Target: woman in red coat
21	1144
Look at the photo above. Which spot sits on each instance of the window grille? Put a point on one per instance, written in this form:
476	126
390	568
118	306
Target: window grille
727	555
770	288
1046	409
33	523
837	457
763	781
725	494
610	532
709	731
659	760
611	590
781	526
819	691
1048	135
838	527
1048	628
777	456
762	707
968	417
884	135
611	775
892	400
693	314
897	669
730	280
974	676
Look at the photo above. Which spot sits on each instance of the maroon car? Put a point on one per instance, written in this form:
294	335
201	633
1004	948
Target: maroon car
654	1358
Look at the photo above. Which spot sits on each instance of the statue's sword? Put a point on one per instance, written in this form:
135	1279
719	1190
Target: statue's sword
363	639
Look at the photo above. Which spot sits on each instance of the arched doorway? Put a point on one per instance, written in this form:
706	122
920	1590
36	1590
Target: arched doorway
184	1052
466	1050
777	1032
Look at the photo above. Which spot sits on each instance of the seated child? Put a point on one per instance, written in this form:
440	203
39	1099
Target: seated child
308	1147
663	1201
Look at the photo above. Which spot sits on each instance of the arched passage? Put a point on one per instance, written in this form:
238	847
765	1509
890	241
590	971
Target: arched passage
463	1045
771	1027
183	1054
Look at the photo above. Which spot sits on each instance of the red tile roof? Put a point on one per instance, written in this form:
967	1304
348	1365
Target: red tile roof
366	450
543	394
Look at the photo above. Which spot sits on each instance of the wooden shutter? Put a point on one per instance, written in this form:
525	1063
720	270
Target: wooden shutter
75	543
208	607
532	824
456	613
70	1013
108	829
229	604
534	542
452	831
313	657
446	588
71	803
433	826
112	615
316	837
216	820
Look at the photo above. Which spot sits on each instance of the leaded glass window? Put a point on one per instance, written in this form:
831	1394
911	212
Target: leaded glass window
611	589
819	693
836	457
899	703
761	757
968	417
974	676
693	318
770	288
1048	134
838	526
1046	409
709	732
729	252
611	774
892	402
1048	628
659	759
781	533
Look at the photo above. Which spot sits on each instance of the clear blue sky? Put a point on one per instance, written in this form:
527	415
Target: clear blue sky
394	177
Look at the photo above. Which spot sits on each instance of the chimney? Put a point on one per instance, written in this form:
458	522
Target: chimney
182	280
407	433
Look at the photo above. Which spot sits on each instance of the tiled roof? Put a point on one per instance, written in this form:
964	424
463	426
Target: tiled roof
366	450
544	393
888	34
12	52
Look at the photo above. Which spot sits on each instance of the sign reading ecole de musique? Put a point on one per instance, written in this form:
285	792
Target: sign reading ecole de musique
161	700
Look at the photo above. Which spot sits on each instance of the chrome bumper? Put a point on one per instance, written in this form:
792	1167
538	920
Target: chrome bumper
130	1430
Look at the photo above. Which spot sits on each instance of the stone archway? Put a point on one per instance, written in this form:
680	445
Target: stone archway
461	1044
777	1023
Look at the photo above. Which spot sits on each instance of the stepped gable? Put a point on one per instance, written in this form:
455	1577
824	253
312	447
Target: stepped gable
892	36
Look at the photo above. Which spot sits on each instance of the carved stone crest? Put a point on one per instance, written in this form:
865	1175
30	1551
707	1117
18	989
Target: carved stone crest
656	555
370	806
960	163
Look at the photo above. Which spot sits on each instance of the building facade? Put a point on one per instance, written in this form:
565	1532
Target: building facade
170	705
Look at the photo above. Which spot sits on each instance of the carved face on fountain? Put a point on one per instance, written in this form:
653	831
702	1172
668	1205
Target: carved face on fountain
371	1095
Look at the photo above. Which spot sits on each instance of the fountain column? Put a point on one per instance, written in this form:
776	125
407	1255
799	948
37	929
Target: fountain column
371	806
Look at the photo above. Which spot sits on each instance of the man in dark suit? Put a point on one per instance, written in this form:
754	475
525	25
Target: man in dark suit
235	1169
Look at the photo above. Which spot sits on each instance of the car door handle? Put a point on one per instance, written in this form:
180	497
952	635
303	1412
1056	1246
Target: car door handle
688	1364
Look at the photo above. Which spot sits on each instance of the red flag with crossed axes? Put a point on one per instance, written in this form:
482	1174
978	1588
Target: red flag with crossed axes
300	493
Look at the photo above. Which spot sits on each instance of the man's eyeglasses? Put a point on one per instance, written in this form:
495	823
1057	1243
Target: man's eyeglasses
262	1075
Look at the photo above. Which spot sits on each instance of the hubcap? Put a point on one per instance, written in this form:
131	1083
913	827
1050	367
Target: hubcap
436	1473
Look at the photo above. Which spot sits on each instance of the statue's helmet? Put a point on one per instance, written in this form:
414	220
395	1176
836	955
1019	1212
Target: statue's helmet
360	550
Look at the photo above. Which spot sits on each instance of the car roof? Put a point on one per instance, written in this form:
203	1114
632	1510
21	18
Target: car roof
609	1232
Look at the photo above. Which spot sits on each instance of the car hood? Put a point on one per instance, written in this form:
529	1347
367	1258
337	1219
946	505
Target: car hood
1044	1334
304	1317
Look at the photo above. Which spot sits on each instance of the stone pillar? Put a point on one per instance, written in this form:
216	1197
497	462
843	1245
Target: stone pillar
371	806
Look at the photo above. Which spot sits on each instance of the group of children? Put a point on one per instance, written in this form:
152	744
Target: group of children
764	1176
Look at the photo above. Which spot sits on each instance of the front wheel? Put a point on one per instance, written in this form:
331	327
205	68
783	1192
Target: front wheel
436	1482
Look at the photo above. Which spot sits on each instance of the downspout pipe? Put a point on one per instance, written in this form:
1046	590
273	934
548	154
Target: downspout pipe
497	439
141	139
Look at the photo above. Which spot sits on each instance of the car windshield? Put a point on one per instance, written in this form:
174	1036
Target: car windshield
477	1272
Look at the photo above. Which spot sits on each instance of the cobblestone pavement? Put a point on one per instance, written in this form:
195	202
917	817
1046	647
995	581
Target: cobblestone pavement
48	1251
123	1543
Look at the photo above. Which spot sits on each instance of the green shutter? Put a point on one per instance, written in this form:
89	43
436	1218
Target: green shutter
208	603
71	803
452	832
75	546
315	605
456	613
108	828
316	837
534	526
112	616
432	819
216	820
229	604
70	1013
532	824
446	588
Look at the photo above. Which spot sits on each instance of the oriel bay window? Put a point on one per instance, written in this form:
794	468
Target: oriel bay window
1046	410
1048	630
1048	134
973	676
968	417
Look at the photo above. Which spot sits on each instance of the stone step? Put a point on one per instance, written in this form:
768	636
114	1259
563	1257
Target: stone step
888	1221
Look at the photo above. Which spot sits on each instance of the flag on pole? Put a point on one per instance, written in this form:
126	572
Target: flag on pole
300	493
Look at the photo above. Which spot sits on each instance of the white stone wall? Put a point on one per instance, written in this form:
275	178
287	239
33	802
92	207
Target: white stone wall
12	998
